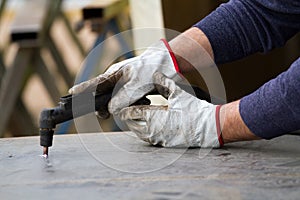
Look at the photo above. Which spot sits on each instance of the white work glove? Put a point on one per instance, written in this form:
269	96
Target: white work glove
186	122
134	76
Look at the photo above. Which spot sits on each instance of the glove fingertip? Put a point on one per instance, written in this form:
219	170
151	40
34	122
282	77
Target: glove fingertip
71	90
76	89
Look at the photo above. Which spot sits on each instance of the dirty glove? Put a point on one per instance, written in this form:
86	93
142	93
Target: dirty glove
186	122
134	76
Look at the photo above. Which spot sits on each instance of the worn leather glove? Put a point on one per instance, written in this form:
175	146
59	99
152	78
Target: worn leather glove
186	122
134	76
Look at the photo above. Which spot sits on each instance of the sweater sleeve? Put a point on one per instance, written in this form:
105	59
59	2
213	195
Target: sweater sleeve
274	109
242	27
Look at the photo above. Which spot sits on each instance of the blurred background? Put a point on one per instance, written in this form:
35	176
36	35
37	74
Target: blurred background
43	44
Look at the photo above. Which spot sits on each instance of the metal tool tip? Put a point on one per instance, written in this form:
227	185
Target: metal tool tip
45	151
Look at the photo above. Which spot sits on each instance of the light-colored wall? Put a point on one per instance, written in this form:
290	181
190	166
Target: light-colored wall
146	15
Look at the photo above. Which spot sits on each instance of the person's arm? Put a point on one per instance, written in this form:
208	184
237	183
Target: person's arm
232	126
190	122
190	49
273	109
208	37
239	28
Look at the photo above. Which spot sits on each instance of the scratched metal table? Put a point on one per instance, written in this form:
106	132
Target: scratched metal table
119	166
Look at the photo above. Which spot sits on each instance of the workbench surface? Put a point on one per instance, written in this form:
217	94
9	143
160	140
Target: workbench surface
120	166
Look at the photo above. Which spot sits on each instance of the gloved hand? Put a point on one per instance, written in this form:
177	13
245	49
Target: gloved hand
134	76
186	122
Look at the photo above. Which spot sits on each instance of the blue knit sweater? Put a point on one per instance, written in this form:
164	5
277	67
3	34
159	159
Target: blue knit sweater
242	27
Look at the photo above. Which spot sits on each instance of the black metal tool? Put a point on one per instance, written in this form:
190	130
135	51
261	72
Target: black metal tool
49	118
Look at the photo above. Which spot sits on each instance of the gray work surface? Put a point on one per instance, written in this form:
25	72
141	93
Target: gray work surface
120	166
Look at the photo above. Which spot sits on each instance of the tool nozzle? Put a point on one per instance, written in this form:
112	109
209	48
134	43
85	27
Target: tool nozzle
45	152
46	137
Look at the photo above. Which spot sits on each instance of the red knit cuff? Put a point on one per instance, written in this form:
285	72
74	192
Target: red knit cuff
219	131
172	55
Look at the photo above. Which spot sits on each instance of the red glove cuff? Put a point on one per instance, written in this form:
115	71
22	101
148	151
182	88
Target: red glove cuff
172	55
219	131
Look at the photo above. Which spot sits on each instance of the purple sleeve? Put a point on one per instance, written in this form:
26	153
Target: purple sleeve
243	27
274	109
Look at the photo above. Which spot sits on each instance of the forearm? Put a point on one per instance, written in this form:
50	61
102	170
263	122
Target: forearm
233	128
192	50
